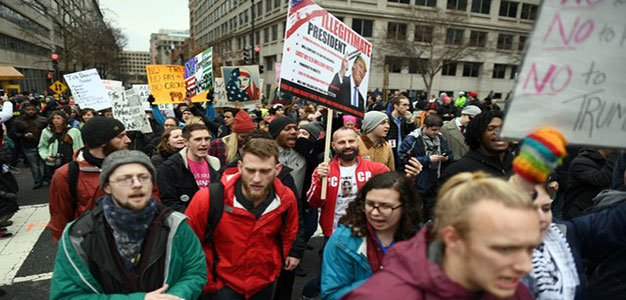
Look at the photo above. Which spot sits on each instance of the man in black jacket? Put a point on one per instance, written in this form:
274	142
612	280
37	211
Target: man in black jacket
184	173
590	172
488	153
27	128
400	125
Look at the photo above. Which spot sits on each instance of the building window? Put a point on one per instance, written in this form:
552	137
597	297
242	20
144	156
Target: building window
499	71
423	33
481	6
457	4
454	36
266	34
400	1
505	42
363	27
259	9
522	42
394	63
471	69
275	32
429	3
448	68
276	3
529	11
268	5
417	65
478	39
513	72
508	9
269	62
396	31
257	37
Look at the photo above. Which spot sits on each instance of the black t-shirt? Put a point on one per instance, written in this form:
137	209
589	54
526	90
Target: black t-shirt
258	210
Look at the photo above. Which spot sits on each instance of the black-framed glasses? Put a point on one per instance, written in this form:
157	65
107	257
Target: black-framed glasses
383	209
128	181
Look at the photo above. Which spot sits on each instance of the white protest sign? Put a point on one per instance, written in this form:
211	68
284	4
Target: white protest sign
88	90
572	75
111	84
143	90
128	109
167	109
219	93
324	60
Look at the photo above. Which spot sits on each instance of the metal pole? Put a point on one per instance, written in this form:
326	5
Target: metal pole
252	52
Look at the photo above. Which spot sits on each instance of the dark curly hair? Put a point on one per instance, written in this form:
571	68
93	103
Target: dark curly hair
356	220
478	125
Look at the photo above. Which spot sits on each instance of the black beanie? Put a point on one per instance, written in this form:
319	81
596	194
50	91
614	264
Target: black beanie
278	124
99	130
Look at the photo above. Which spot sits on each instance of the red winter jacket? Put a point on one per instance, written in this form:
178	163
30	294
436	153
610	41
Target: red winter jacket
409	273
364	171
87	191
249	257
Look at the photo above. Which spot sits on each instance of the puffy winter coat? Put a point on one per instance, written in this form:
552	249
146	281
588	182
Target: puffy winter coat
87	191
409	273
85	269
176	183
364	171
344	265
249	254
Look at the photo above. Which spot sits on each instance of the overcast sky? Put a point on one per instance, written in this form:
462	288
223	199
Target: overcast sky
139	18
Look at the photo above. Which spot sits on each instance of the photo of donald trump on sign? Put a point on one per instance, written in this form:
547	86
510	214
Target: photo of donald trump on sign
347	89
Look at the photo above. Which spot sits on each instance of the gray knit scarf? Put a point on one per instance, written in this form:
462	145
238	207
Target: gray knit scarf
129	228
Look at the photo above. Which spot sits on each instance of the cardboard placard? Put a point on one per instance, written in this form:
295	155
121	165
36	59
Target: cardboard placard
88	90
324	60
572	74
167	83
127	108
199	75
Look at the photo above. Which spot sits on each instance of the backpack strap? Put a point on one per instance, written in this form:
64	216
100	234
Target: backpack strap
72	176
216	208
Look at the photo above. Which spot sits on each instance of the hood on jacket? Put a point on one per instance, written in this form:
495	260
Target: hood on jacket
607	198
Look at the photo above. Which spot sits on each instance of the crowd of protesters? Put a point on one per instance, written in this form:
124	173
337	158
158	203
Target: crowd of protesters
419	199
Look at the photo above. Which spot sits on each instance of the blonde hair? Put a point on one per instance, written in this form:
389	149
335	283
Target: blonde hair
232	146
194	120
461	192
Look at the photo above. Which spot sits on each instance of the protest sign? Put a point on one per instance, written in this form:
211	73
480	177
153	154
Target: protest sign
241	84
199	75
143	90
167	109
571	77
111	84
127	108
88	90
277	66
167	83
219	93
318	47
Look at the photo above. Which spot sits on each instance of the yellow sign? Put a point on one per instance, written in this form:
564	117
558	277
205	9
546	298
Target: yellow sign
58	87
167	83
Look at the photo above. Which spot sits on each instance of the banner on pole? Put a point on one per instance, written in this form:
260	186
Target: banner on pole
167	83
199	75
88	90
572	75
324	60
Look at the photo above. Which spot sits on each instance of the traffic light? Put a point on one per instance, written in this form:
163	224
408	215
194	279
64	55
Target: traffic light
261	69
246	56
55	64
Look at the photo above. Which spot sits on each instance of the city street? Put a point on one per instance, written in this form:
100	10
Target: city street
27	258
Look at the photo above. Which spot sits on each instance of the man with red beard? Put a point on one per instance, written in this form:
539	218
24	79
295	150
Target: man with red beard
487	152
69	196
257	227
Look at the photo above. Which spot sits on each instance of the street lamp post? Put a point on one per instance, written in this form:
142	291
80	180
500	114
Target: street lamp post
252	32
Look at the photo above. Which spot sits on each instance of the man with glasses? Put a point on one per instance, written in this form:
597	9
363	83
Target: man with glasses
128	243
401	124
75	186
453	131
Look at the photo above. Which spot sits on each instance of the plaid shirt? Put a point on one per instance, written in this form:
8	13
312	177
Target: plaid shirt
218	149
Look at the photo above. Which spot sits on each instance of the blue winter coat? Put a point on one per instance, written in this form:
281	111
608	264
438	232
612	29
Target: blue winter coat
413	146
344	264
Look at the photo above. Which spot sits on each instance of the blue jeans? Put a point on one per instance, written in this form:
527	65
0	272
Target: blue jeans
35	163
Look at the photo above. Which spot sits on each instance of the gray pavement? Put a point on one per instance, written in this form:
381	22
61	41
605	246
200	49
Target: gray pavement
27	259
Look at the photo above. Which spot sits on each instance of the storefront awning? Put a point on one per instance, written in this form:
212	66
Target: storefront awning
10	73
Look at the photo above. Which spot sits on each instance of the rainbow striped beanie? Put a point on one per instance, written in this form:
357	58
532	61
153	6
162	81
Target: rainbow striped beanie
541	152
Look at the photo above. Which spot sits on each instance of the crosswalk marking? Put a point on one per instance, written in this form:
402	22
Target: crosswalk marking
15	250
38	277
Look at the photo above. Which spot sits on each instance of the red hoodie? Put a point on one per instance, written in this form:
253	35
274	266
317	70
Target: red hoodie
409	274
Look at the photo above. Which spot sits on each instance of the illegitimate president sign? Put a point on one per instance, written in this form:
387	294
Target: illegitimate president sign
324	60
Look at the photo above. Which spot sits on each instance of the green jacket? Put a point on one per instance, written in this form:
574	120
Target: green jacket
185	268
47	149
461	101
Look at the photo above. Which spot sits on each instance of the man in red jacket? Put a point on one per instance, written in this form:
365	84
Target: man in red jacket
346	174
479	247
257	227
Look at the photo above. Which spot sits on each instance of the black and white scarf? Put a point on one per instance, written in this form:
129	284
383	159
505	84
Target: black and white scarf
554	274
